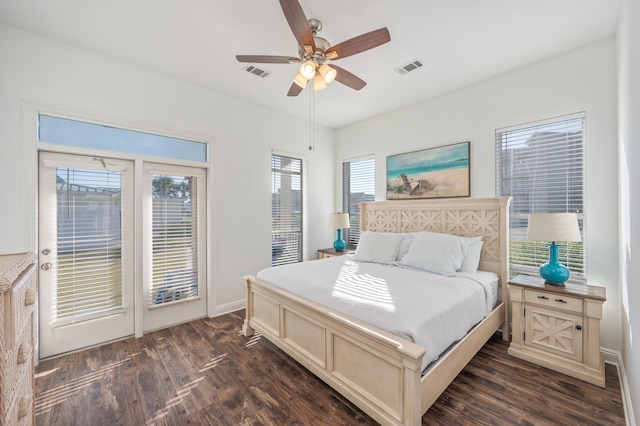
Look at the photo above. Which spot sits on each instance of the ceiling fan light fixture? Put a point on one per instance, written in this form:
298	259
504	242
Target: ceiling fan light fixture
300	80
319	83
308	69
328	74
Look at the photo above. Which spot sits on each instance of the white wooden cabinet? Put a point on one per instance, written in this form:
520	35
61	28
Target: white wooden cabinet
558	327
18	304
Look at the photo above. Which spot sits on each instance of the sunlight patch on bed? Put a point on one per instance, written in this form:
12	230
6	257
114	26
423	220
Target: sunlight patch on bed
362	288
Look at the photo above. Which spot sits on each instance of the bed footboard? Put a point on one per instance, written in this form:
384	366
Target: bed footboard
375	370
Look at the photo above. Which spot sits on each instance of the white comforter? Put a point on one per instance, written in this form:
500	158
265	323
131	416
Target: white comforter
429	309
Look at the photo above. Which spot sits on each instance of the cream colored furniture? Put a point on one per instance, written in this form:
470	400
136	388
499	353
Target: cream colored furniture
18	301
331	252
378	371
558	327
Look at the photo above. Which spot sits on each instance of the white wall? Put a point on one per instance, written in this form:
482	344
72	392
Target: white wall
629	134
580	80
52	73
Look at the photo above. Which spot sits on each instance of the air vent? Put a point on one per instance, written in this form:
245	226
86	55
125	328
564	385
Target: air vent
411	66
257	71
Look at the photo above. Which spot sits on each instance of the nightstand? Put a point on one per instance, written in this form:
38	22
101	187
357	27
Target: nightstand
331	252
558	327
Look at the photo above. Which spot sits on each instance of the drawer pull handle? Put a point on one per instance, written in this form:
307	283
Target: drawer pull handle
543	297
578	327
30	297
23	353
560	300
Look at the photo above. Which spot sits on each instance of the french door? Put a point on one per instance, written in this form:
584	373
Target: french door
85	249
174	220
98	231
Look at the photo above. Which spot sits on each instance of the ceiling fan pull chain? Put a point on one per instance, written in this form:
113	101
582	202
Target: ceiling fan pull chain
312	119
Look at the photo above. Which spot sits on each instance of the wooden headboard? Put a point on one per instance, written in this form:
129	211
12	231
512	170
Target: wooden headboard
465	217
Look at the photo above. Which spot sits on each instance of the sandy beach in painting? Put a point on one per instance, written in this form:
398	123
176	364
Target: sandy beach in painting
442	183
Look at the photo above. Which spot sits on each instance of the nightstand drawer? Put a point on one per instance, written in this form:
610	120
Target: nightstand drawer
555	301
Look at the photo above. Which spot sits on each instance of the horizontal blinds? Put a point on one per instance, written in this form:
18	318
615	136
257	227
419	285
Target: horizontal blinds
89	244
286	210
541	166
174	239
358	185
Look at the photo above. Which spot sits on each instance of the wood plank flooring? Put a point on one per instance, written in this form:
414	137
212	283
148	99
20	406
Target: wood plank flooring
206	373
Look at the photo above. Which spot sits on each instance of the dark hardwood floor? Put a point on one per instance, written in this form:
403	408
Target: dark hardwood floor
206	373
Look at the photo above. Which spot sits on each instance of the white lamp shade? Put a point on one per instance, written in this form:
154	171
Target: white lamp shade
339	220
318	83
308	69
553	227
328	74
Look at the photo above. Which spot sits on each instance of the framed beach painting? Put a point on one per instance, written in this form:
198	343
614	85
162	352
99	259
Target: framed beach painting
441	172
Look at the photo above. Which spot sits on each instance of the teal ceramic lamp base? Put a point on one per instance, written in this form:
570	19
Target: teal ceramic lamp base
553	272
339	244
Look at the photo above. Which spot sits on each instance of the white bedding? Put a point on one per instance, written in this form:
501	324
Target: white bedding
431	310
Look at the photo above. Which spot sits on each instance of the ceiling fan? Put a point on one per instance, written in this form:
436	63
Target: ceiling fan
314	52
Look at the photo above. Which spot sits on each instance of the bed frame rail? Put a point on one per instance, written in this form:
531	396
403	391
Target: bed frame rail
377	371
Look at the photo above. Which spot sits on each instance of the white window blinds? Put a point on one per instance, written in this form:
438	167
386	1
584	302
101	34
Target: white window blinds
89	244
358	185
174	239
541	166
287	209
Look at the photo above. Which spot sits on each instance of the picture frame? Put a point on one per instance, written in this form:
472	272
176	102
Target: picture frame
439	172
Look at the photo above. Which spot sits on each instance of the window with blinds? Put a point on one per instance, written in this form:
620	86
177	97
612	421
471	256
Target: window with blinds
541	166
89	244
174	239
286	210
358	185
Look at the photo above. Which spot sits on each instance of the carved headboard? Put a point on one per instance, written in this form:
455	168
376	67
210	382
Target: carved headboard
465	217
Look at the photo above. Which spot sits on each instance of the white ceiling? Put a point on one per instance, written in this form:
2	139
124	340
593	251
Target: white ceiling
459	42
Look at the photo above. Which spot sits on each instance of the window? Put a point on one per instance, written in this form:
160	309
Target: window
541	166
287	210
64	131
358	185
174	241
88	244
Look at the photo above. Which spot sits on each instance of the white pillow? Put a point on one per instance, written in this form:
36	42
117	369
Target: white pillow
472	259
379	247
438	253
407	239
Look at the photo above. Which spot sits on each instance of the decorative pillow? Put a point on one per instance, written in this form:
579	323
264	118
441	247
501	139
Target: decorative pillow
379	247
407	239
472	259
438	253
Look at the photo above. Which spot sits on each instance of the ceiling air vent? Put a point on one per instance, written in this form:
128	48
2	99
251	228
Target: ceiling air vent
257	71
411	66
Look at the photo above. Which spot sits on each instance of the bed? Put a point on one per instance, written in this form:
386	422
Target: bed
379	371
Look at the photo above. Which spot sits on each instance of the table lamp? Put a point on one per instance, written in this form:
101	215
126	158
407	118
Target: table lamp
552	227
338	221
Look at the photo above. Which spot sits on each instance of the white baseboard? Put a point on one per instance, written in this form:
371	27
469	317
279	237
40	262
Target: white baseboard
615	358
229	307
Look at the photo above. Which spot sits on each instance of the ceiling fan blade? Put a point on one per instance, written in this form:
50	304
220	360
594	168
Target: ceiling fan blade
268	59
348	79
360	43
294	90
298	23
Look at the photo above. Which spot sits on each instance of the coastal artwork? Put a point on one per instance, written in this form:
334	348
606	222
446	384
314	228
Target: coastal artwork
440	172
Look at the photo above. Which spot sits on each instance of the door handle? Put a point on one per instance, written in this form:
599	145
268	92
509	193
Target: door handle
45	266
